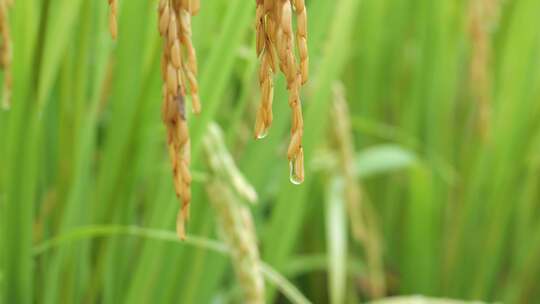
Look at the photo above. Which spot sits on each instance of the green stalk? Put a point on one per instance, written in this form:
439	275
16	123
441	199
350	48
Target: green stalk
22	137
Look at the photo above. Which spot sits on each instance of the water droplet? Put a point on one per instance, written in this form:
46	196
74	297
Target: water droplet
296	172
262	134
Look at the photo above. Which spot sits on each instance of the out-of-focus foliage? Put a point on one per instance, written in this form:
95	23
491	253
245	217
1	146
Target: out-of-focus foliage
448	195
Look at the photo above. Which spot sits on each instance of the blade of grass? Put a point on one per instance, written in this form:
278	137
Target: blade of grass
20	172
383	159
83	233
61	18
83	108
336	240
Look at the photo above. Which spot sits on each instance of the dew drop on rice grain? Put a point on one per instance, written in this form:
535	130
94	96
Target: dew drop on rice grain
262	133
296	168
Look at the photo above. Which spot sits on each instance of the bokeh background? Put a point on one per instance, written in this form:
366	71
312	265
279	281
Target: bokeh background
422	145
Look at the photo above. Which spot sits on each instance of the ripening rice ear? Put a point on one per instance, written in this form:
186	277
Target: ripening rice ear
276	41
179	71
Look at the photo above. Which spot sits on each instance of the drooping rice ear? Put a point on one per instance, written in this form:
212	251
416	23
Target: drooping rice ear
276	41
179	70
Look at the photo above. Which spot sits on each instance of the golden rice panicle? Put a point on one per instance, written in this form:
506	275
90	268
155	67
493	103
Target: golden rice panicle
6	52
113	17
178	68
276	40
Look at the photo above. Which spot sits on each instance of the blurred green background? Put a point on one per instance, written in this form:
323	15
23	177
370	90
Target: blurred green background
443	154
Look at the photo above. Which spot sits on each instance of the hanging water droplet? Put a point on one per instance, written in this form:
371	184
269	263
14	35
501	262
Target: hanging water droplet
296	172
262	134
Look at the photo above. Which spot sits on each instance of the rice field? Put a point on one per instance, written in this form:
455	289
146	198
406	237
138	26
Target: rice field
263	151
